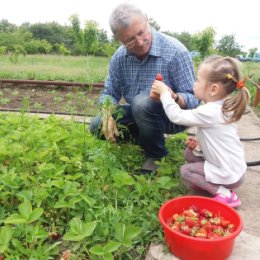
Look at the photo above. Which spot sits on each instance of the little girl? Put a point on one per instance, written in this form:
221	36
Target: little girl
218	166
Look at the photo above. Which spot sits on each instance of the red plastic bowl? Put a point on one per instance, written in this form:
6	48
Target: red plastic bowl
190	248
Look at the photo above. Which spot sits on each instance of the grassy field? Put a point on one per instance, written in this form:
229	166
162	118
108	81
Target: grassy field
81	69
54	67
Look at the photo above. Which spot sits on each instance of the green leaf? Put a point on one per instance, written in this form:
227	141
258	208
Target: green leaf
88	228
15	219
97	250
111	247
61	204
25	209
76	226
108	257
122	178
132	232
5	236
78	230
36	214
89	200
19	247
167	182
71	236
120	232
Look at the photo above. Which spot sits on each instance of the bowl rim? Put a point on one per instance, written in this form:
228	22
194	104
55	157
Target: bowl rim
231	236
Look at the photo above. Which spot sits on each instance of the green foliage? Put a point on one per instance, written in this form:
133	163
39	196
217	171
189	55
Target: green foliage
63	50
6	27
227	46
252	51
154	24
204	41
3	50
186	38
61	188
37	46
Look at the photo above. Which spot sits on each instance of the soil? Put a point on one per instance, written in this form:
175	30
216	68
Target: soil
49	99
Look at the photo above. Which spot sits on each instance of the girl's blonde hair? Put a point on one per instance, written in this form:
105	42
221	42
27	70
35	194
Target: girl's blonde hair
226	70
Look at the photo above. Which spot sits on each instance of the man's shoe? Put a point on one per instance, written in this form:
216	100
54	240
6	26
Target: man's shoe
149	166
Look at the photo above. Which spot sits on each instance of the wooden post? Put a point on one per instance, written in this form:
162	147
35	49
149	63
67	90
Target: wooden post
257	95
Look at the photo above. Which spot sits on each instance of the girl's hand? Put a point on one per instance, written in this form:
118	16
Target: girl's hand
191	143
159	87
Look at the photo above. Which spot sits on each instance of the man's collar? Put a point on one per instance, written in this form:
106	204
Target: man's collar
154	49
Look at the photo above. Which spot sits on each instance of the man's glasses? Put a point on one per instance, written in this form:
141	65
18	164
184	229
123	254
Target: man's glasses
140	36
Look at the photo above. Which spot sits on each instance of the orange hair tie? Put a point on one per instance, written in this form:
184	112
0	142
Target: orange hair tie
240	84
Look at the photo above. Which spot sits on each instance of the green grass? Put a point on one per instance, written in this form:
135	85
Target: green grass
55	67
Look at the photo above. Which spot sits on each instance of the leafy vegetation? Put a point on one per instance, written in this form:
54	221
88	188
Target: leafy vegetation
74	39
63	191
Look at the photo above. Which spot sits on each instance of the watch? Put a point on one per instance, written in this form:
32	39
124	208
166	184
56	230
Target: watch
176	98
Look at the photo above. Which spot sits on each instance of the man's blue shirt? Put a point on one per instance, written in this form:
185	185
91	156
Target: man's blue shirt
129	76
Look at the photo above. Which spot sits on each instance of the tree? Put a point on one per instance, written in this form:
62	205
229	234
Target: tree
228	46
91	39
53	33
6	27
91	33
154	24
252	51
204	41
187	39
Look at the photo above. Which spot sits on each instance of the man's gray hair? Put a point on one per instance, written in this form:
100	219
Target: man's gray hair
122	16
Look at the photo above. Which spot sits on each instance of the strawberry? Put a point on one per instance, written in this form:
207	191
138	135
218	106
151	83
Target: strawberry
210	235
194	208
54	235
224	223
190	213
200	223
230	227
219	230
215	220
192	222
153	95
202	233
205	213
208	226
203	221
176	227
159	76
185	229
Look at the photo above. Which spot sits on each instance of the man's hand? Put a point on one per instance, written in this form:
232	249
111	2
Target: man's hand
109	128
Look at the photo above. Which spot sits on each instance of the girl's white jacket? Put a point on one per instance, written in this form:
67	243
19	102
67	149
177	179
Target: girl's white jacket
218	140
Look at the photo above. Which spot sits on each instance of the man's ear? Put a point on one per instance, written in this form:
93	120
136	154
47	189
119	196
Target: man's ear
214	89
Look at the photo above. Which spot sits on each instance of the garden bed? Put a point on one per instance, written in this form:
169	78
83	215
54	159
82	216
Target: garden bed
50	99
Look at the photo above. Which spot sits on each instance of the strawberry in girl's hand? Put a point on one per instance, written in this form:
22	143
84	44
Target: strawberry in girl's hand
153	95
191	143
159	76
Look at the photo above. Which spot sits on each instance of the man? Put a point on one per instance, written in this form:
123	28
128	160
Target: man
133	68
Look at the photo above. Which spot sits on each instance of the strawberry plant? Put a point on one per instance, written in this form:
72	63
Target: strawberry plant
65	193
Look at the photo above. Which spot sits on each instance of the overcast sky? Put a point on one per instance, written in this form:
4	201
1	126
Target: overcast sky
237	17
